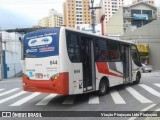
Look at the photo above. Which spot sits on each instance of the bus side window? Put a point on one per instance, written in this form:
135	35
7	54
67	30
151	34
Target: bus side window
135	54
97	51
73	47
114	51
101	50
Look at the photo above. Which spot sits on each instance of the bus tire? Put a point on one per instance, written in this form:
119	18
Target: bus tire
138	77
103	87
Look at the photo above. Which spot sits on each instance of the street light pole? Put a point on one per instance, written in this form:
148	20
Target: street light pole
92	15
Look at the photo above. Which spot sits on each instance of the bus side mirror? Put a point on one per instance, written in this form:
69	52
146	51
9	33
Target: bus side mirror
138	63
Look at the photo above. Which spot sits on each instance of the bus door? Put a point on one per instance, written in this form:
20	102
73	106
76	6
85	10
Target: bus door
87	63
127	64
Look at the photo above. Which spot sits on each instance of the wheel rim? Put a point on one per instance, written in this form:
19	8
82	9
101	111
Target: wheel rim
138	78
103	88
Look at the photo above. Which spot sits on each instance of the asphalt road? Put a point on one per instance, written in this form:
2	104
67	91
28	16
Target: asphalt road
142	97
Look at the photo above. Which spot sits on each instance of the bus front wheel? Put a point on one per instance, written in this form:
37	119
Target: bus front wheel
138	77
103	87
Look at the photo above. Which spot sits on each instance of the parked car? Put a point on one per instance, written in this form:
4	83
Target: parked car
146	68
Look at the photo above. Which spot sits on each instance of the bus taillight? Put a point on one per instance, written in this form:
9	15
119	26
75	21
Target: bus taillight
25	76
54	77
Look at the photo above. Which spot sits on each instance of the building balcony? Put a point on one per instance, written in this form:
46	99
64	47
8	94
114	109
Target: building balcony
140	17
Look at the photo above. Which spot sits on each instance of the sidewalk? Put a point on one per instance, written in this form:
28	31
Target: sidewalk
11	79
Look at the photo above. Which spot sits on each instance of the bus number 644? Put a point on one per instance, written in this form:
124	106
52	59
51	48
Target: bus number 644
52	62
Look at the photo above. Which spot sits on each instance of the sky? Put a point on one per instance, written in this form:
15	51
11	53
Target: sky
25	13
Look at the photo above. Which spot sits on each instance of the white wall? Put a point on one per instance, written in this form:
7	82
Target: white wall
115	25
12	61
12	54
148	34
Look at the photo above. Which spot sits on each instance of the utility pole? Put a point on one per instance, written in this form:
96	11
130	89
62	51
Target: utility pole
92	15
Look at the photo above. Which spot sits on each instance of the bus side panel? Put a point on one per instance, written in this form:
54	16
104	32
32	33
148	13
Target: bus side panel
77	73
74	69
64	62
112	70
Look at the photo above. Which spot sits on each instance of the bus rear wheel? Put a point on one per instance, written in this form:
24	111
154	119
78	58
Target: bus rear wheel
103	88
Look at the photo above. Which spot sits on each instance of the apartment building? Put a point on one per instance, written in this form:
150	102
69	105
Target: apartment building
44	22
54	19
109	7
76	12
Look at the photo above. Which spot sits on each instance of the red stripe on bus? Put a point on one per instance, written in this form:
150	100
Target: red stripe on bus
59	85
103	68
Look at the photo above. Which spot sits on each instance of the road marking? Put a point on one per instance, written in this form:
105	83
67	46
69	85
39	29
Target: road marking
10	91
20	102
150	90
145	109
117	98
157	84
149	107
93	99
46	100
69	99
1	89
11	97
137	95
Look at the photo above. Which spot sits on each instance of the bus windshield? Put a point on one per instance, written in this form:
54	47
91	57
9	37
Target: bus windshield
42	43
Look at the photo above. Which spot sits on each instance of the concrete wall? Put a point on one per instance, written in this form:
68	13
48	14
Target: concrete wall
148	34
12	64
11	54
115	25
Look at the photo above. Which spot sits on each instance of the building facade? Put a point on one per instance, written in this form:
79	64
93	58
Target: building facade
148	35
44	22
54	19
151	2
108	9
76	12
11	51
130	18
143	50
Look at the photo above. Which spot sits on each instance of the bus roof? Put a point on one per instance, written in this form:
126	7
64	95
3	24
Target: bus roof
102	36
75	30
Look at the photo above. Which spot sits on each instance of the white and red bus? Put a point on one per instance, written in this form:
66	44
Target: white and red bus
67	61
